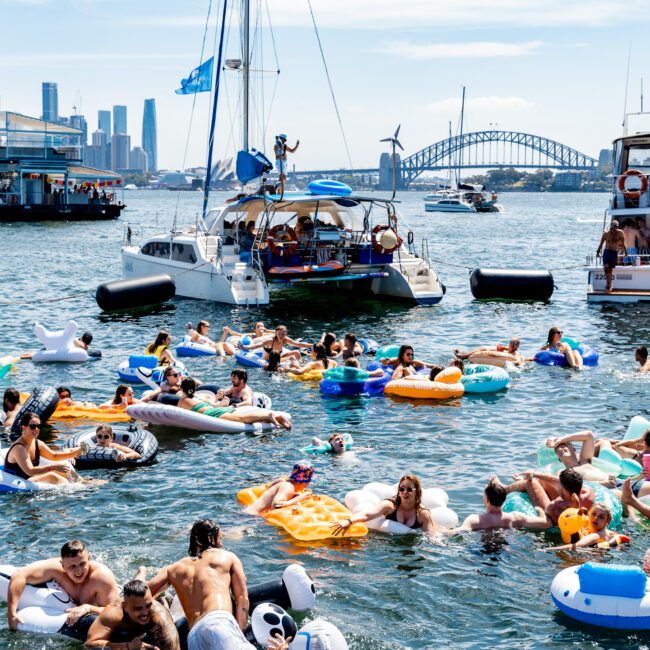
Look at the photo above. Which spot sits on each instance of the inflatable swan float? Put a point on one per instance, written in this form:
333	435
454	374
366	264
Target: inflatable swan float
59	345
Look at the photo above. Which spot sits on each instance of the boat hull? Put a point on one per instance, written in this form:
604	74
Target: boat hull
630	284
25	213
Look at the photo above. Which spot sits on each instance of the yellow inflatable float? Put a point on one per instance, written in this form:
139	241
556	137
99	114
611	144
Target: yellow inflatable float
307	520
447	384
312	375
86	411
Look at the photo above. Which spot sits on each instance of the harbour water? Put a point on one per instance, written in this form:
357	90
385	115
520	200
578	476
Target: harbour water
476	591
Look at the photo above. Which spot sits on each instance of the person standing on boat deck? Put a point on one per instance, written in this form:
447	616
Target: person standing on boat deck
613	240
281	148
632	240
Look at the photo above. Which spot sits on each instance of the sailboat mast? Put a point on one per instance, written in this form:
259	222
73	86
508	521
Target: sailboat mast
460	144
246	71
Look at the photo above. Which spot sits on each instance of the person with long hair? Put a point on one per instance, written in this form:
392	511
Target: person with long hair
221	347
277	343
10	406
320	361
160	348
331	344
191	403
105	437
405	364
124	396
405	508
554	343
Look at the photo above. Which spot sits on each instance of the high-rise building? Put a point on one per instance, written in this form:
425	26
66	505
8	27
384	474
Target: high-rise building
149	135
98	154
104	123
119	119
50	101
79	122
120	150
138	160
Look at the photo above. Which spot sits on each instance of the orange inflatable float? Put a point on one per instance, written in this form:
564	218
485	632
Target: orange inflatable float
307	520
447	384
86	411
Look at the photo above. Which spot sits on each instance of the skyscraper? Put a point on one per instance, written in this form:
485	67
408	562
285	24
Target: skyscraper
50	101
119	119
120	150
79	122
104	123
149	136
138	160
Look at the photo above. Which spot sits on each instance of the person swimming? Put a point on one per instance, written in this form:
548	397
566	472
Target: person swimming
10	406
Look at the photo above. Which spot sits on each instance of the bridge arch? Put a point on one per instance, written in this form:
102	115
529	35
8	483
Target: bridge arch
525	150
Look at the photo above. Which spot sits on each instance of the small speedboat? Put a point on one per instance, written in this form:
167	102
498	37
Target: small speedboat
284	273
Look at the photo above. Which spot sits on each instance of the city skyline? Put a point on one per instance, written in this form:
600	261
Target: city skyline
387	67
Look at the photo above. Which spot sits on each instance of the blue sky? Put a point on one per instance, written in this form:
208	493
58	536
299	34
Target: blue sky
554	68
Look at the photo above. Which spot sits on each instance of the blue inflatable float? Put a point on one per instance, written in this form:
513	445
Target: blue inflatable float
329	188
344	380
484	379
554	358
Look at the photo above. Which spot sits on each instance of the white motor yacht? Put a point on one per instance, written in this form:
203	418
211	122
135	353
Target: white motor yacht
452	202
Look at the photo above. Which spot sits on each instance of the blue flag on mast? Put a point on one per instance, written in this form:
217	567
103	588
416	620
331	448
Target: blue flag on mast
199	80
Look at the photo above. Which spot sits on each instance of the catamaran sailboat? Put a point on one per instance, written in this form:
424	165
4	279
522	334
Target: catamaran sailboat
324	237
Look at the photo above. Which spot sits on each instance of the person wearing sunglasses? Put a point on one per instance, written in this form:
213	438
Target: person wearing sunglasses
171	383
554	343
200	335
405	508
124	396
23	458
405	364
105	437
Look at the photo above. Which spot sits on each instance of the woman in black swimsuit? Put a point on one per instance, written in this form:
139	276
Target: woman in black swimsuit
405	508
23	458
277	343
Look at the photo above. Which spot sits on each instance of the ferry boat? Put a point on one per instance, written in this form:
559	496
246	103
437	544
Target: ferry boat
42	176
630	202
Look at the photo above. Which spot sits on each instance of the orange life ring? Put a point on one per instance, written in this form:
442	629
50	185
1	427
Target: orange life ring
633	194
377	232
282	240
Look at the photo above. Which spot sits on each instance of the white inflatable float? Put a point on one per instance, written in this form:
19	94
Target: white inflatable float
319	635
435	499
59	345
174	416
9	482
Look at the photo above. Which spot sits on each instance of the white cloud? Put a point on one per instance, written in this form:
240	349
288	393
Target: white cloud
489	103
477	50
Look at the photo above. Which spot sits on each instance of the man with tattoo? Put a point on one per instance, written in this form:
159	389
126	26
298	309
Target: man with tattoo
136	622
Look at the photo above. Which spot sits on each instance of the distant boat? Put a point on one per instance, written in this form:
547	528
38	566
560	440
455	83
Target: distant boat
130	186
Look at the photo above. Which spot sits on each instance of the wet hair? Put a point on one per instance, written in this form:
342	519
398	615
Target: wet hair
334	435
105	428
201	324
135	588
434	371
87	338
571	481
120	392
73	548
397	499
402	351
495	494
328	341
351	337
64	389
27	417
240	373
274	361
10	399
259	322
204	535
189	386
458	363
321	354
160	340
551	333
642	351
352	363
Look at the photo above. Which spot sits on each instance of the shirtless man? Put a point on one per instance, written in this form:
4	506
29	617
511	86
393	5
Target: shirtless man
614	240
239	394
350	347
494	497
203	583
280	149
641	356
511	349
125	624
90	584
284	491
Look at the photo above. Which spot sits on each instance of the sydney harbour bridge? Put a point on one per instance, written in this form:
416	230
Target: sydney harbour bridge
477	150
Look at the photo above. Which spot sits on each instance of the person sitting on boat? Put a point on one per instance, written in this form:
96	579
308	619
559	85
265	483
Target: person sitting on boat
404	364
189	402
405	508
280	149
90	584
124	396
24	457
105	437
494	496
239	393
10	406
632	241
277	343
613	240
554	343
350	347
160	348
221	347
508	352
137	620
171	383
285	491
641	356
246	236
320	361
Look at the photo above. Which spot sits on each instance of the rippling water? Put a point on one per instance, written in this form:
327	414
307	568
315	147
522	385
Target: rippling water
384	592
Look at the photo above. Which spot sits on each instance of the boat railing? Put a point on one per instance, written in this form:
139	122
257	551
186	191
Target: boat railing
425	250
640	257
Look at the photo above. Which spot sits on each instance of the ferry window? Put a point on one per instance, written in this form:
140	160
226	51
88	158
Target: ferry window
156	249
639	158
183	253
